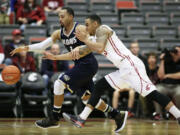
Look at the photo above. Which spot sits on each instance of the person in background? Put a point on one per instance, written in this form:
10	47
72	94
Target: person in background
151	70
49	67
30	13
1	56
24	62
134	48
169	74
17	40
131	93
52	6
4	11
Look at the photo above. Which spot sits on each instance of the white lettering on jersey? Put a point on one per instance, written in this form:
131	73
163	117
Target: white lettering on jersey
69	41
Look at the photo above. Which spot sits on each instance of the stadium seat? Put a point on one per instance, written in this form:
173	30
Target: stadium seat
164	32
150	6
78	6
157	19
53	28
126	5
9	99
52	19
147	45
35	31
80	17
110	18
171	6
127	41
133	19
5	30
169	43
120	30
136	32
33	94
101	6
175	18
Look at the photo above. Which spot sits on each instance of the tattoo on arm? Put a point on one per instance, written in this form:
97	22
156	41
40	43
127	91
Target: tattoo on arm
102	34
84	50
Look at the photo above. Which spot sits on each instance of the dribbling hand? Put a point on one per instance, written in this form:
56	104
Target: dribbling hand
19	49
75	53
48	55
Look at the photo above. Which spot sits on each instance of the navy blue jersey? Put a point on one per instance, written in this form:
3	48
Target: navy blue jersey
70	42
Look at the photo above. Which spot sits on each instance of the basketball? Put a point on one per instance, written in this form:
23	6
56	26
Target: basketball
11	74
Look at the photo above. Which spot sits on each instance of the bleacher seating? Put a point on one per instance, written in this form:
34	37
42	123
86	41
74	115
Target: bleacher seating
134	19
168	43
150	6
175	18
6	30
157	19
164	32
139	32
78	6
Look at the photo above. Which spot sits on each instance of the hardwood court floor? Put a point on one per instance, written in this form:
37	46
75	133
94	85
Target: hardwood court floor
93	127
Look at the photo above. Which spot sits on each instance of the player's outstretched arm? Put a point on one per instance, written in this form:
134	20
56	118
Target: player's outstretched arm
102	35
39	47
76	53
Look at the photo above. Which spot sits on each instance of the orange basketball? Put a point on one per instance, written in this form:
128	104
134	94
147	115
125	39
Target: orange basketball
11	74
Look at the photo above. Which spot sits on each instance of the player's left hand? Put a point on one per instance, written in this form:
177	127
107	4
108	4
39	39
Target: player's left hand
75	53
48	55
81	35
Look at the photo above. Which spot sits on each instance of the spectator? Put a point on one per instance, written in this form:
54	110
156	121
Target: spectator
169	73
4	11
131	93
30	13
50	67
1	56
25	62
152	69
15	4
52	5
17	40
134	48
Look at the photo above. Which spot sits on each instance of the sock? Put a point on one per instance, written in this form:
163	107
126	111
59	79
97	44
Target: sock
112	112
85	113
175	111
56	112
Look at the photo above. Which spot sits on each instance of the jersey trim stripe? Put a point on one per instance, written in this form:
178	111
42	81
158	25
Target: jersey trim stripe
113	82
128	58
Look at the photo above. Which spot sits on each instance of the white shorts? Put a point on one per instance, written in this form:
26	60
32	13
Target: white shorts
133	75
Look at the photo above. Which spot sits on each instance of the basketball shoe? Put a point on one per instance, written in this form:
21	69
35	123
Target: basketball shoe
120	120
47	123
75	120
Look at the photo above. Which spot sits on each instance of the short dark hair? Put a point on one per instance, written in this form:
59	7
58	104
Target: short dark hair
152	54
69	10
95	17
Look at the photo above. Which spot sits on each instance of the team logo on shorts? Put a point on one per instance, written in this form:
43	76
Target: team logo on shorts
66	77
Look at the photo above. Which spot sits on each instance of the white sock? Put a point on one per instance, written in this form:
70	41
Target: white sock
175	111
85	113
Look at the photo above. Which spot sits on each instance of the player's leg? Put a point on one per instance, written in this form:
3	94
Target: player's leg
165	102
52	121
100	87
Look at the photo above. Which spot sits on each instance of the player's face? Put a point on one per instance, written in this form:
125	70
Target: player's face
64	18
90	26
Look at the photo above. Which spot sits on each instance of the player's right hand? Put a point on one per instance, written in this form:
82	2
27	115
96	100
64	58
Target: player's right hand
19	49
75	53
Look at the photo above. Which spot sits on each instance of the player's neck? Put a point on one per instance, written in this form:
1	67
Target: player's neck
69	27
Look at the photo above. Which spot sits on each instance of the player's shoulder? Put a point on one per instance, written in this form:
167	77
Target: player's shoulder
103	29
81	27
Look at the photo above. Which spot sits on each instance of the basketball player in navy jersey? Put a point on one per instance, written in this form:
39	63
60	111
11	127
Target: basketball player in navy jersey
79	78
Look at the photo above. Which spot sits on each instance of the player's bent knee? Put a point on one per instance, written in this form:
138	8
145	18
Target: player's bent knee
59	87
